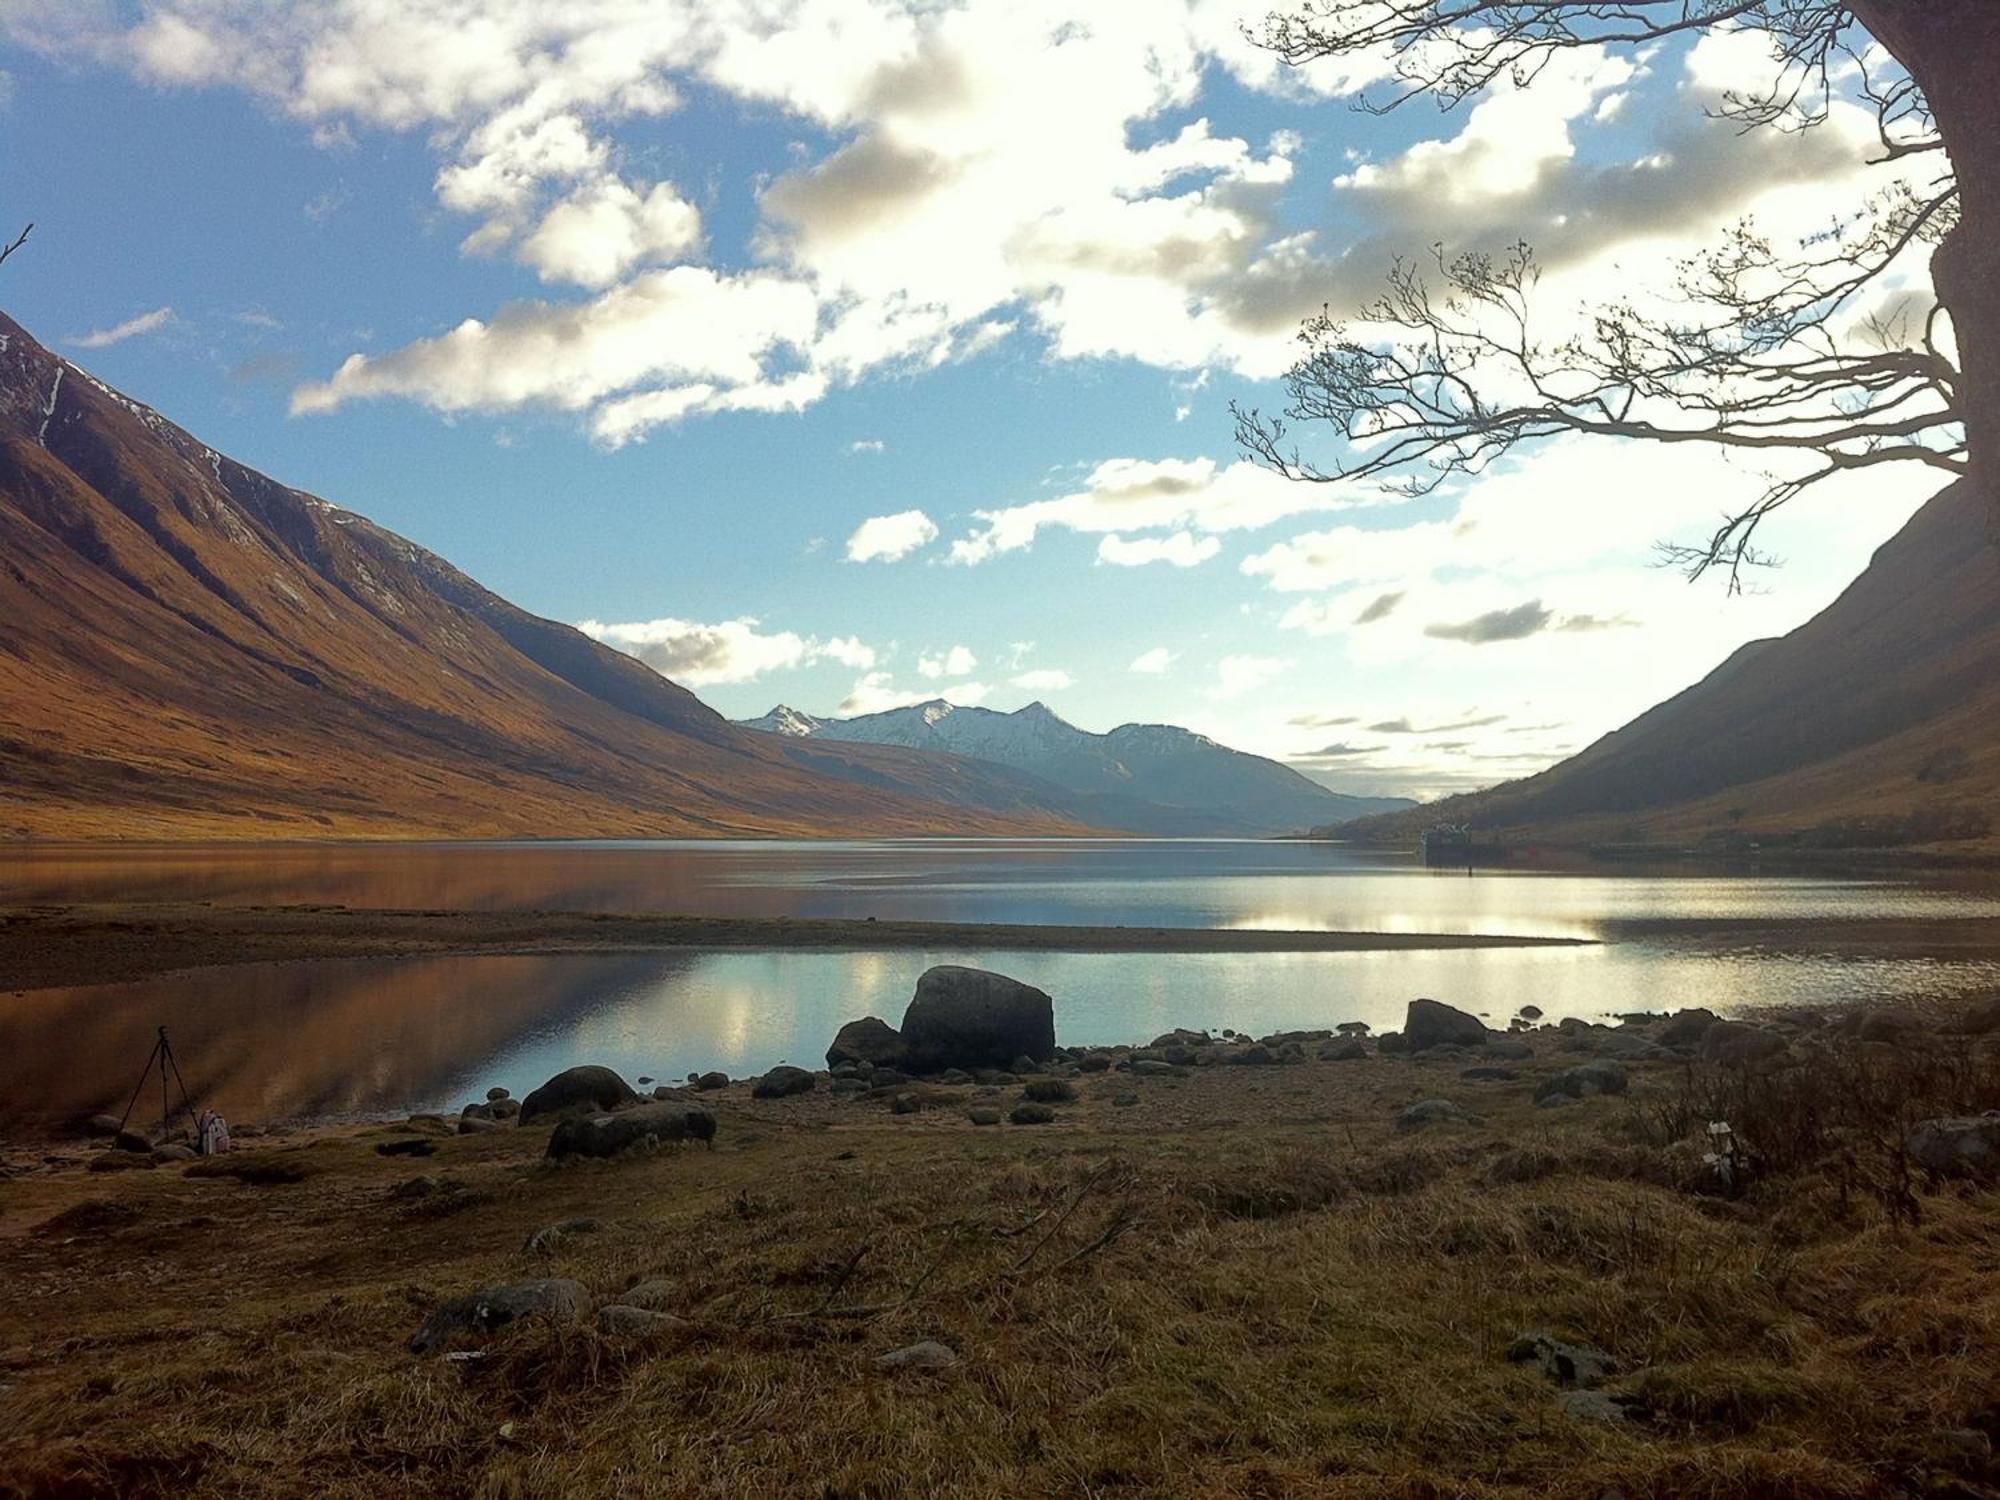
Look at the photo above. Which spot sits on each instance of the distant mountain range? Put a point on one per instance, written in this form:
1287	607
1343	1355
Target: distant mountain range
191	649
1142	778
1870	726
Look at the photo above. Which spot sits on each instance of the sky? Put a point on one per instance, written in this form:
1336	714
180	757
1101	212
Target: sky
848	353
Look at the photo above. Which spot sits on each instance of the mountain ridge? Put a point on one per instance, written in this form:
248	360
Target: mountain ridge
189	648
1148	778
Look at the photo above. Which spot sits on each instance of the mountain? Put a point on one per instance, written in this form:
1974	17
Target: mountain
191	649
1143	778
1873	724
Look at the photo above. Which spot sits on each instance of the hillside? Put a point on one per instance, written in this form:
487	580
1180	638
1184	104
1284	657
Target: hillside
1870	725
1144	778
191	649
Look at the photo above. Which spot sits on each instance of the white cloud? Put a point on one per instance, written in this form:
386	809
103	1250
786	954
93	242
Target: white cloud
1237	675
1044	680
1152	663
603	229
876	692
866	445
1182	548
117	333
890	538
957	662
696	654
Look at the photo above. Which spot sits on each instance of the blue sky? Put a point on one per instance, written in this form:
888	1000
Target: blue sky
749	277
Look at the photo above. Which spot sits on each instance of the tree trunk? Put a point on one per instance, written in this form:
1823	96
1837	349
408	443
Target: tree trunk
1952	49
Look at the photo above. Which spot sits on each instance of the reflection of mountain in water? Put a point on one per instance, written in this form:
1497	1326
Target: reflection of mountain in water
303	1040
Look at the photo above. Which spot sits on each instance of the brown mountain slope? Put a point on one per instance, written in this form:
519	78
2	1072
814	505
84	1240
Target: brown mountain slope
190	649
1873	723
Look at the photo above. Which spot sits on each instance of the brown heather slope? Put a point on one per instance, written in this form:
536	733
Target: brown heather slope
190	649
1872	724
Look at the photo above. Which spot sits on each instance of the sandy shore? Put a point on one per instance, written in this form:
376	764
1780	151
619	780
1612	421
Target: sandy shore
91	944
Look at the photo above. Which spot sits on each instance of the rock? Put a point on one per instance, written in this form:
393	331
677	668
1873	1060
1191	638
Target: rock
1432	1112
102	1125
1529	1013
415	1147
973	1018
1049	1091
122	1161
984	1115
173	1151
1024	1064
644	1080
505	1109
782	1082
1583	1081
1148	1067
1390	1043
1489	1074
888	1078
870	1040
413	1188
1739	1044
1353	1028
1031	1114
1094	1062
1684	1028
1181	1037
708	1083
1600	1406
425	1121
487	1311
1884	1026
1124	1101
652	1294
477	1125
550	1236
494	1094
927	1355
953	1077
1431	1024
588	1089
1350	1050
644	1125
1509	1049
1957	1146
1561	1361
1255	1056
621	1321
133	1140
844	1087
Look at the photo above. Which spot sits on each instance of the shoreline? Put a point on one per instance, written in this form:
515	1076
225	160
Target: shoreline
51	946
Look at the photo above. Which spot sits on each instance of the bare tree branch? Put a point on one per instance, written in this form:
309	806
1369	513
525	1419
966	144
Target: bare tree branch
19	240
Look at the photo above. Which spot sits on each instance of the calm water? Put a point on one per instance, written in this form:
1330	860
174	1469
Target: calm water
330	1038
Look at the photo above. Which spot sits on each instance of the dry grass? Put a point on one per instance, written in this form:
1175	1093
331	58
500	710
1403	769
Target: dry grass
1244	1286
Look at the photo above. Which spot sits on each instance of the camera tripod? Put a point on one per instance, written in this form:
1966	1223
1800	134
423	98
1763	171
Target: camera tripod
162	1057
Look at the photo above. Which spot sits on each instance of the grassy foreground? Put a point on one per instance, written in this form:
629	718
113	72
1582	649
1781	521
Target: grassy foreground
1245	1283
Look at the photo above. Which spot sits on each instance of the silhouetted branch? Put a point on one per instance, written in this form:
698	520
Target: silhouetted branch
19	240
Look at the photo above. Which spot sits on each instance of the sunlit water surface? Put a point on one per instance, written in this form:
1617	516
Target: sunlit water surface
322	1039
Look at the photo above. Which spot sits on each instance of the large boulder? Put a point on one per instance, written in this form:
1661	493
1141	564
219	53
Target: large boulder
1601	1077
870	1040
1684	1028
1738	1044
972	1018
644	1125
1958	1146
588	1089
1432	1024
782	1082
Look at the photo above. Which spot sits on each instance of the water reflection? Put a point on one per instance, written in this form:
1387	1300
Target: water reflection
332	1039
1153	883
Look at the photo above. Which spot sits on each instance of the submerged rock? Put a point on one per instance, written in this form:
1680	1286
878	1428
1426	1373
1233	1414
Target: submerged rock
974	1018
590	1088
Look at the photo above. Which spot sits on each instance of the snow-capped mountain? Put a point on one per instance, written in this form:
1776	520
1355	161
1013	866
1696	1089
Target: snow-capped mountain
1148	778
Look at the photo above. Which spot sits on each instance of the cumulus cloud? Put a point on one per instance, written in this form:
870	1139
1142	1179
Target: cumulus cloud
876	692
1237	675
117	333
1152	663
866	445
890	538
696	654
957	662
1181	548
1044	680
